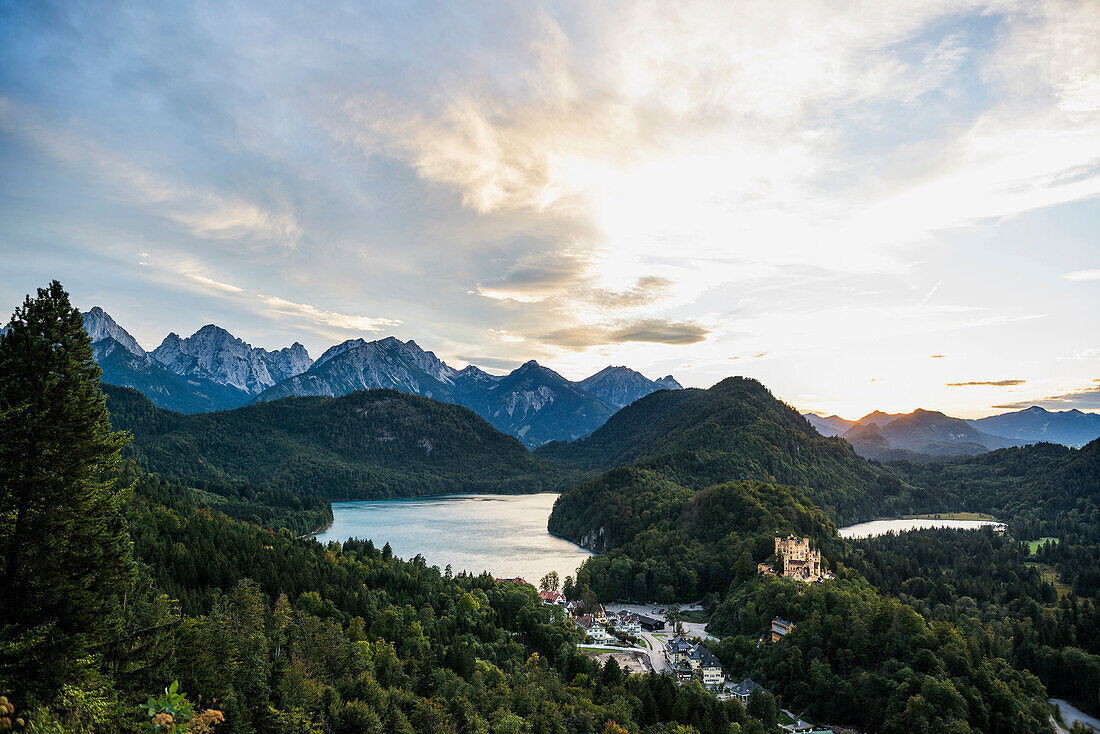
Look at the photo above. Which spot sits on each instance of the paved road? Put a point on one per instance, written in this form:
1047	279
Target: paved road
1070	714
656	656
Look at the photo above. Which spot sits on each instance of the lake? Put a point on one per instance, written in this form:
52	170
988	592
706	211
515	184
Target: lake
503	534
881	527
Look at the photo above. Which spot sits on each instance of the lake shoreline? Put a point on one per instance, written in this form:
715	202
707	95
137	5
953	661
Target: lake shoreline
505	534
879	527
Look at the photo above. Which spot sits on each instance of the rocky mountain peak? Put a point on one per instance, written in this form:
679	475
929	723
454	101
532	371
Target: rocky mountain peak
100	325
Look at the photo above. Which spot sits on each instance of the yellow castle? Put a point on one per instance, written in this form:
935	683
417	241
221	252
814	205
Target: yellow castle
799	561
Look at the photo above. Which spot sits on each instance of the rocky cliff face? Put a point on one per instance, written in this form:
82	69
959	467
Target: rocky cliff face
213	353
100	326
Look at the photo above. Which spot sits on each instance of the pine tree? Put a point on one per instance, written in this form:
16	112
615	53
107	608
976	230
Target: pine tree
65	555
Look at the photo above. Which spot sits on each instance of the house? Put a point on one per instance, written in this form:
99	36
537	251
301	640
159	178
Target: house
552	597
683	673
594	630
626	623
689	661
799	560
650	624
780	629
678	651
707	666
744	689
516	580
765	569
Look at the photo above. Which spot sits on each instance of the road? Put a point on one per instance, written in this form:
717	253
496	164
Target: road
1070	714
654	649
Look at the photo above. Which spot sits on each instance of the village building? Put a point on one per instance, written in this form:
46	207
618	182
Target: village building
651	624
780	629
707	666
594	630
741	691
689	660
626	623
552	597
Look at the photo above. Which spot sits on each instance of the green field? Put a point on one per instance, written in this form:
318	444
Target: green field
1033	545
951	516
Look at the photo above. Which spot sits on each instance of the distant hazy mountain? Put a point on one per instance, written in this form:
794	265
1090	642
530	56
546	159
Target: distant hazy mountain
879	418
1069	427
831	425
621	386
212	353
922	431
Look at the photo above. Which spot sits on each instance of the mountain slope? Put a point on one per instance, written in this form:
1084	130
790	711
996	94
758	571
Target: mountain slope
212	353
100	326
621	386
167	390
735	430
361	365
931	432
538	405
365	445
1067	427
831	425
533	403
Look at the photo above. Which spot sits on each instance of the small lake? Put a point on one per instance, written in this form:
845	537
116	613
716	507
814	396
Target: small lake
503	534
880	527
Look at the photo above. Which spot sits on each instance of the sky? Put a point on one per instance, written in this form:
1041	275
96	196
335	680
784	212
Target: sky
864	205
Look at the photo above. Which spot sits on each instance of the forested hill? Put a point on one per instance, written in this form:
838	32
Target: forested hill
365	445
734	430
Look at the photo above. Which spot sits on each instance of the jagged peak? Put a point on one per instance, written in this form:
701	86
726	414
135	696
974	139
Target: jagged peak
99	325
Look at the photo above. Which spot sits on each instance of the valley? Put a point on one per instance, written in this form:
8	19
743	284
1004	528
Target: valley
427	526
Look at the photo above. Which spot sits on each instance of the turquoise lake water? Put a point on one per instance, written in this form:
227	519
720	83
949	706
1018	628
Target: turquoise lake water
503	534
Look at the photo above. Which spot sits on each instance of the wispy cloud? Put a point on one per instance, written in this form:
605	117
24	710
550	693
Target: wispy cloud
653	331
211	283
1086	398
325	317
1083	275
203	213
987	383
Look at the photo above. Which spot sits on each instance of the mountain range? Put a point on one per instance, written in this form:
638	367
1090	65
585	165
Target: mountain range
214	370
926	433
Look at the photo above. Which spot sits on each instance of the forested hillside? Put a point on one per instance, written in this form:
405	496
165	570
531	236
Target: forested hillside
120	590
734	430
366	445
676	544
1043	490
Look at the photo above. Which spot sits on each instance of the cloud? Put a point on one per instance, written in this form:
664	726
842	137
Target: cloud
646	290
216	285
1083	275
327	318
202	212
987	383
1087	398
654	331
537	277
937	356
